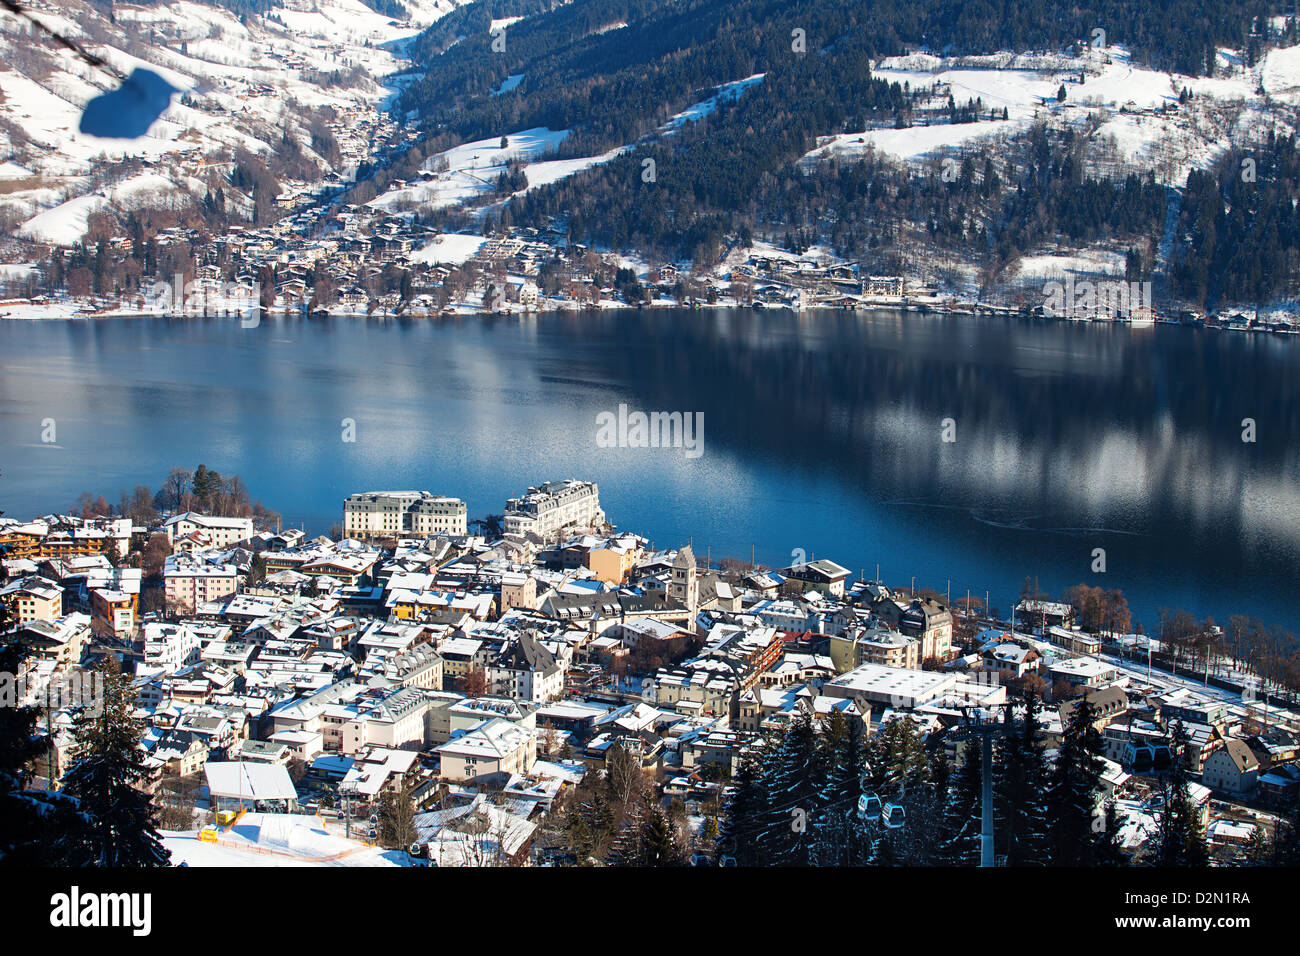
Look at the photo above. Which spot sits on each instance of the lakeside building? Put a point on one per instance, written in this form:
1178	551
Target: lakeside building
39	540
543	511
394	514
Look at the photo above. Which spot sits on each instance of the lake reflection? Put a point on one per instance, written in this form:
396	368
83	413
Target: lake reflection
822	432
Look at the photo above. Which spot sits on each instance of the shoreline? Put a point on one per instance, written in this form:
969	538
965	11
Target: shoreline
42	312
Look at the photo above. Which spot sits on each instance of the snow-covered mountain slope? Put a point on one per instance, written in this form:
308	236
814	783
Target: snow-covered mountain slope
1133	116
249	82
466	175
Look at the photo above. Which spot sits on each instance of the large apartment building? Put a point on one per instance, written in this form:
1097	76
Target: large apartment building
33	599
400	514
555	505
36	541
188	583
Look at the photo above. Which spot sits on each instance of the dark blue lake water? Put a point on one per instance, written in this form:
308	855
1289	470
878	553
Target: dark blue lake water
822	432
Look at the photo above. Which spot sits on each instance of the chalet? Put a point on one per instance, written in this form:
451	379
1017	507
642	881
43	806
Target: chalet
1232	769
821	575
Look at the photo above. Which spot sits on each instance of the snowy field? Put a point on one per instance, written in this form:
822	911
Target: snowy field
278	839
1136	112
470	170
448	249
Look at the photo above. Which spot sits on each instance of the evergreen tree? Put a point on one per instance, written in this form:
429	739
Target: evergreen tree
1182	836
738	834
577	836
658	848
1021	787
1260	851
917	842
898	757
30	820
1109	849
1286	841
902	774
1074	791
117	824
959	823
840	837
791	787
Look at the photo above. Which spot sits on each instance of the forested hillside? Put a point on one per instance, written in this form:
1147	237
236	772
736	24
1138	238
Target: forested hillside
612	75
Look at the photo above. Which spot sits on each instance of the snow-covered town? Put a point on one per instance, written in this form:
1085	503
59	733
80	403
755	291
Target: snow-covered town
422	689
988	311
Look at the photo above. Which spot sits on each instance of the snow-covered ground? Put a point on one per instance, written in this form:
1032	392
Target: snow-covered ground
909	143
470	170
509	83
448	249
1087	262
726	93
1134	114
542	174
65	223
277	839
244	82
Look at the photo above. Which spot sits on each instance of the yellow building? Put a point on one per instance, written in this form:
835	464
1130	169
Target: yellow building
34	599
874	645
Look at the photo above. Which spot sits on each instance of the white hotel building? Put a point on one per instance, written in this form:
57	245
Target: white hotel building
220	532
399	514
555	505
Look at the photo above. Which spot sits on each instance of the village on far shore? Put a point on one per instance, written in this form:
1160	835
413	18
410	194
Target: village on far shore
337	261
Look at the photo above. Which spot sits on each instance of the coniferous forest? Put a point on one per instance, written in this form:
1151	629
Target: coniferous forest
736	174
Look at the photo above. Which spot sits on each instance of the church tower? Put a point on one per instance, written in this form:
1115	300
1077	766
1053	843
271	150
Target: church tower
685	588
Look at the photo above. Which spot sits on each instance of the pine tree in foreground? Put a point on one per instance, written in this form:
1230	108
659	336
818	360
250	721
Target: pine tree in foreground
30	820
959	824
658	846
1286	841
738	832
790	786
839	836
1182	835
1260	850
1022	787
117	817
1074	791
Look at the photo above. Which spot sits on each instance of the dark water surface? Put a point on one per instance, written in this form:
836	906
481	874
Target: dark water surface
822	432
